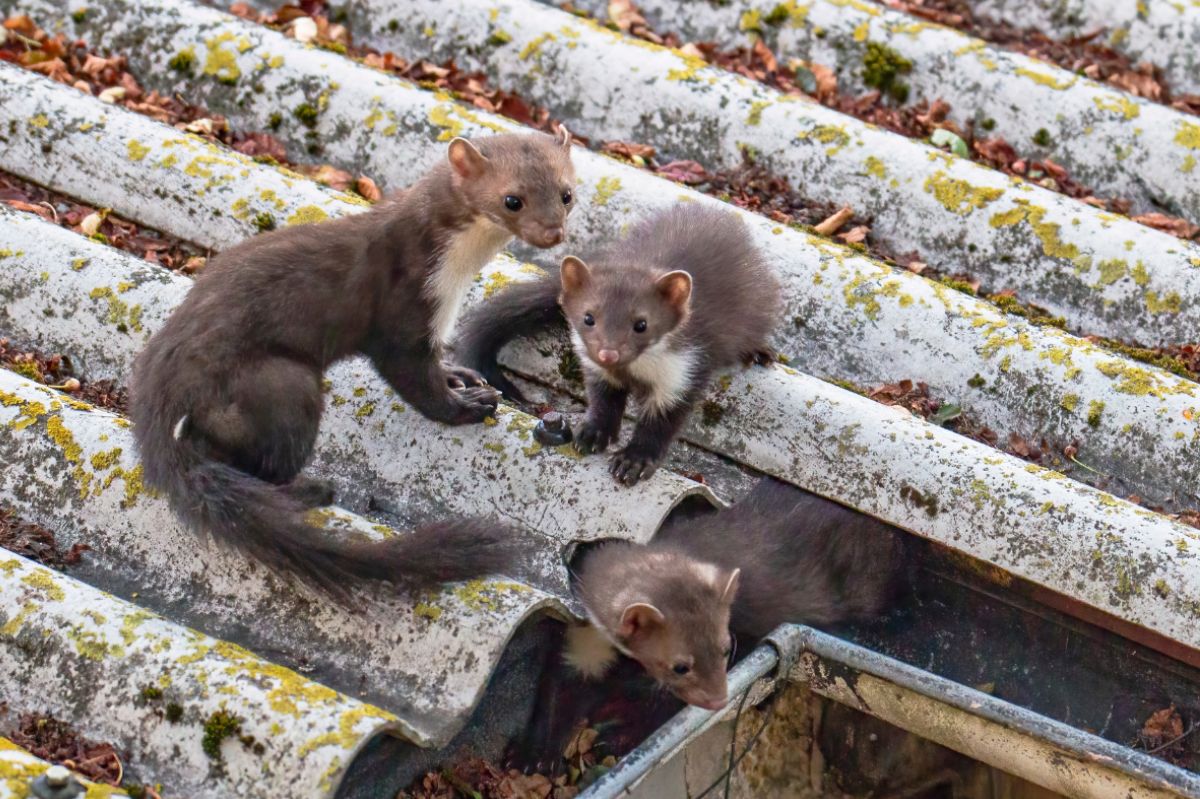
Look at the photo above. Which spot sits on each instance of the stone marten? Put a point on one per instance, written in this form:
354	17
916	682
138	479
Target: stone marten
685	295
227	395
779	555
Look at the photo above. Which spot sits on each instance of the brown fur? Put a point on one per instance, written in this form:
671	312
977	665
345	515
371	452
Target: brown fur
800	558
655	608
227	396
693	276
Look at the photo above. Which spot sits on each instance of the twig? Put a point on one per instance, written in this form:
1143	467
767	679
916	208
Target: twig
834	223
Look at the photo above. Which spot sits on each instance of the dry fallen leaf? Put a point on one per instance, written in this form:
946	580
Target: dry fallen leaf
855	234
688	172
202	126
638	153
331	176
516	785
44	210
367	188
624	14
1169	224
581	743
1163	725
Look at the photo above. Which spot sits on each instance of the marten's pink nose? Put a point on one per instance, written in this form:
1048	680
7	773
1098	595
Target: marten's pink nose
552	236
607	357
712	704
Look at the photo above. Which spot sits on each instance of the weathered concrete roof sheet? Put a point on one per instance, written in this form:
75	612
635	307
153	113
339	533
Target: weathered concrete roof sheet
426	659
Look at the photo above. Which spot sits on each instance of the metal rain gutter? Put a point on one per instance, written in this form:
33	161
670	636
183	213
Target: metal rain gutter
1054	755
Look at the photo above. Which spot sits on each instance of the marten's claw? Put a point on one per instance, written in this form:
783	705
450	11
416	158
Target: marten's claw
475	404
763	357
591	439
458	377
629	466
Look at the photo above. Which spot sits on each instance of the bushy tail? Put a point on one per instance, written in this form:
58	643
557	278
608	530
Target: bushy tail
264	521
521	309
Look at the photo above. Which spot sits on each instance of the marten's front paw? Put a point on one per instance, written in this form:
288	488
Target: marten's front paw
760	357
591	438
475	404
461	377
633	464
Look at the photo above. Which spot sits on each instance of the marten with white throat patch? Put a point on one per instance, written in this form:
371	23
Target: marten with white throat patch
779	555
227	395
685	295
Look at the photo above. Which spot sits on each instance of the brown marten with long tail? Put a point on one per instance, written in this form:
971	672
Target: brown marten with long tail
227	395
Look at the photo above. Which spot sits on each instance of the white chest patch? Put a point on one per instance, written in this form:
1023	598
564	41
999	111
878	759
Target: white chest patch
461	259
667	372
588	652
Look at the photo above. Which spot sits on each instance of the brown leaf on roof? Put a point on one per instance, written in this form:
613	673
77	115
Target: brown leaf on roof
367	188
628	149
1169	224
625	15
689	172
258	144
57	742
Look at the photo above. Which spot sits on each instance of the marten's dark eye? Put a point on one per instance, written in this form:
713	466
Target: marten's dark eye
639	326
589	320
681	669
513	203
566	197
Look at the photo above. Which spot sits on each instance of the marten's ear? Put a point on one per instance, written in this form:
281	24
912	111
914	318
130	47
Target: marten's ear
466	159
731	587
564	137
638	618
676	289
575	275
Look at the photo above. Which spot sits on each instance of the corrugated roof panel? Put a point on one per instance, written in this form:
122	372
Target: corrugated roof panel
858	320
357	449
203	716
428	658
965	348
